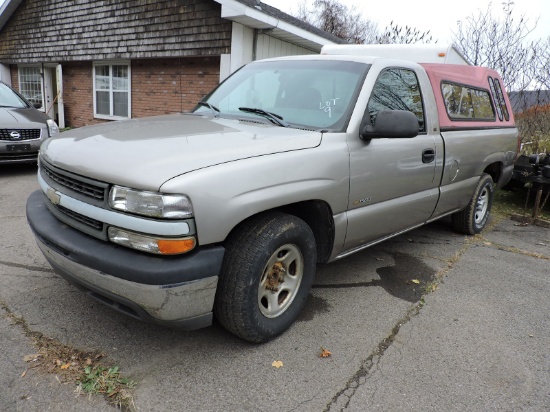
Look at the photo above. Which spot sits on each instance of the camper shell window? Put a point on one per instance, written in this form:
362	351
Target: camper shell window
464	102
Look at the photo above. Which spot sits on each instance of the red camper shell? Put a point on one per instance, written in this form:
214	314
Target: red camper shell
469	97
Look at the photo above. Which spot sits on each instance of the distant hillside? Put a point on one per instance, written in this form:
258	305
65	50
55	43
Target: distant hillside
524	100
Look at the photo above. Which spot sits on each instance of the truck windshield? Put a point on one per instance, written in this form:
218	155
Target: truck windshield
313	94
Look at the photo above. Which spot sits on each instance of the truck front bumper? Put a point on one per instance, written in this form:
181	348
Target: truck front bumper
172	291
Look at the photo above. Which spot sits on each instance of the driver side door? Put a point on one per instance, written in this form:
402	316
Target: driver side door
393	183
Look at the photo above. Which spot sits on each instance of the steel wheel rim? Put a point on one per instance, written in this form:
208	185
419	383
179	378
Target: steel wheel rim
278	288
482	205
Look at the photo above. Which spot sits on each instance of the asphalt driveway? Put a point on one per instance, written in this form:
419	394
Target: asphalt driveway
428	321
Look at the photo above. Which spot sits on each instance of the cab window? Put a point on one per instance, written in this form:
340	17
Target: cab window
397	89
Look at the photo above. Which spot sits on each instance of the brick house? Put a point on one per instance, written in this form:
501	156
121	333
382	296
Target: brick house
89	61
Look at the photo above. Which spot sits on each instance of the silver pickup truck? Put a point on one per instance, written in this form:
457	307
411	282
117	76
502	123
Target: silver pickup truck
290	162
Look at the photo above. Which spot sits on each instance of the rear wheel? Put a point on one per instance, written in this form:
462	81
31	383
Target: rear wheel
266	277
474	217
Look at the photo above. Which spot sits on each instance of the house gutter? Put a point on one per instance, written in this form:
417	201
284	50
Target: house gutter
254	17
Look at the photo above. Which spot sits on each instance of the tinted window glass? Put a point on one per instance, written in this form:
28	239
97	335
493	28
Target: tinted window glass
397	89
466	103
501	101
495	97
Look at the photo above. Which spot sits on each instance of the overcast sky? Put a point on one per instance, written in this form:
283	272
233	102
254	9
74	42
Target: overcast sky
438	16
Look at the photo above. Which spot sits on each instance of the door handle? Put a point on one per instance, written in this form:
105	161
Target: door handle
428	155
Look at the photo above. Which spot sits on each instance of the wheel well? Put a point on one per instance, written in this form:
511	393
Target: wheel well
318	216
495	171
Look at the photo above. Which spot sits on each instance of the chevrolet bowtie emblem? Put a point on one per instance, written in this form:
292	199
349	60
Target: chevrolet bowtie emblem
54	197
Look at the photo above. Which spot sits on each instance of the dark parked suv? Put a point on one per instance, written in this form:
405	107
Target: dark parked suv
23	128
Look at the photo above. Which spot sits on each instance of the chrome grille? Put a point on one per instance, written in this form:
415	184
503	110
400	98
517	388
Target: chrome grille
84	187
18	135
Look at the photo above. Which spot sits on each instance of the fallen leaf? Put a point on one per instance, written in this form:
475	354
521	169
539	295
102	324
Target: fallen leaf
65	366
277	364
415	281
325	353
31	358
487	243
24	373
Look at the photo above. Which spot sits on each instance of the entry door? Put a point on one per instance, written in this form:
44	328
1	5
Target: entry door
49	91
53	93
60	105
393	183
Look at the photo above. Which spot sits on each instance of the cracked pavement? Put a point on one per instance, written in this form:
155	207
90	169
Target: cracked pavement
478	342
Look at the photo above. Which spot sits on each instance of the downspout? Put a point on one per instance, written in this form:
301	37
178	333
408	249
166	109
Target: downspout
254	44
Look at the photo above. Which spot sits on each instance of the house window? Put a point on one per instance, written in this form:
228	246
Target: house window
112	90
30	84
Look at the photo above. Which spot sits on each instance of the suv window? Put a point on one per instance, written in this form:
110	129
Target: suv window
397	89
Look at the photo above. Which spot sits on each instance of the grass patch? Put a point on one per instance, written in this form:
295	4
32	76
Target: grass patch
72	365
108	382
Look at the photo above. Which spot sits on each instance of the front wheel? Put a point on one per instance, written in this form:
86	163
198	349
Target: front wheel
474	217
266	276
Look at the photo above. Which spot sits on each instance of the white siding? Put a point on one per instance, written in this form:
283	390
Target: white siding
242	49
225	66
242	44
268	47
5	74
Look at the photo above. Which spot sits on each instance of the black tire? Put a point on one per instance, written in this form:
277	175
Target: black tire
266	277
474	217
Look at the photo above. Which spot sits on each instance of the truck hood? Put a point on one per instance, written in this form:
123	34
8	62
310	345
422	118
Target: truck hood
145	153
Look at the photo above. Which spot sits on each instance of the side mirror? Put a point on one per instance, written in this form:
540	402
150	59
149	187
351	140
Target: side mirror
392	124
37	105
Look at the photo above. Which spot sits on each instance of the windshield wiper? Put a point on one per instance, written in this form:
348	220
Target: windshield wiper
275	118
214	109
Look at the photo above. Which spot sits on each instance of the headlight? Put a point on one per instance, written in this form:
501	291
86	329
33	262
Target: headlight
150	244
52	127
152	204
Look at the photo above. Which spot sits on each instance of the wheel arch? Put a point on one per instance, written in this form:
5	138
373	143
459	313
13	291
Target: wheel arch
317	214
495	170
